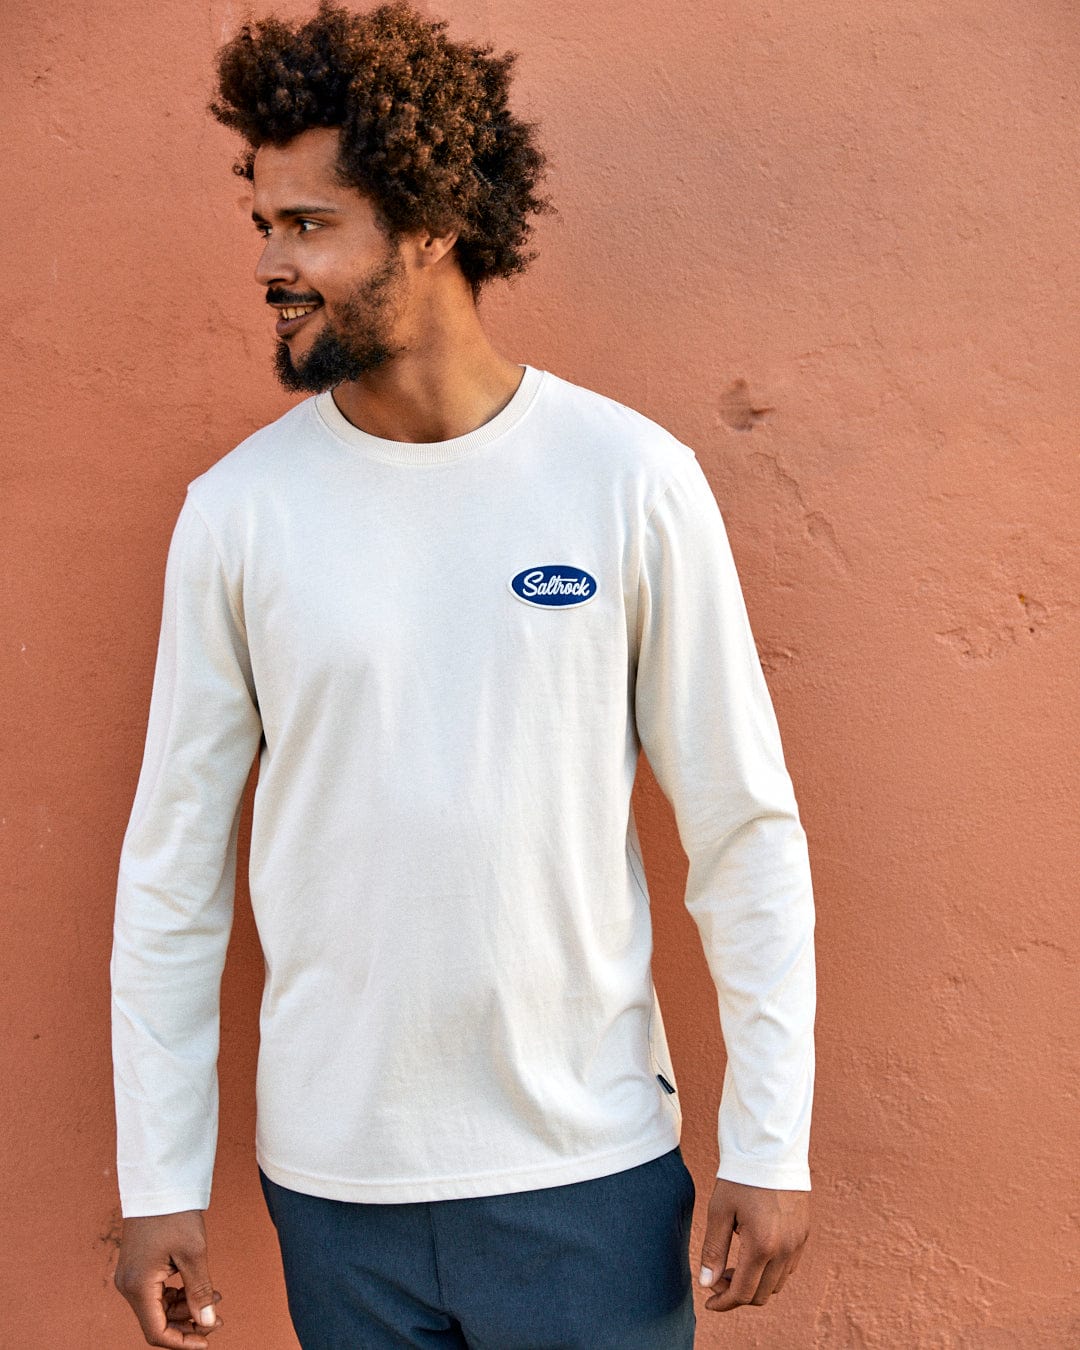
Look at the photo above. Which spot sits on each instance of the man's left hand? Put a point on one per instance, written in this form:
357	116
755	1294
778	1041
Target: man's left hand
772	1226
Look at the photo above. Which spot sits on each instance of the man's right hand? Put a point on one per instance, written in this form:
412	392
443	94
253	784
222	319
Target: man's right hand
153	1248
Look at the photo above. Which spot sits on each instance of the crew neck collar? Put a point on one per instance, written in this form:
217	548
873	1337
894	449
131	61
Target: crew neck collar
431	452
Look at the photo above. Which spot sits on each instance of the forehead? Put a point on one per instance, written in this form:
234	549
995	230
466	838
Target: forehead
304	166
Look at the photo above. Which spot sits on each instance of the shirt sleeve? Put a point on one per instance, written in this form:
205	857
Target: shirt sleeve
707	725
177	873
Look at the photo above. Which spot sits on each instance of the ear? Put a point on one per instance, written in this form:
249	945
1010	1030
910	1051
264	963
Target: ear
431	247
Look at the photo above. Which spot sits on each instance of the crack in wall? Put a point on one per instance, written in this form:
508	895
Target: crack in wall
817	527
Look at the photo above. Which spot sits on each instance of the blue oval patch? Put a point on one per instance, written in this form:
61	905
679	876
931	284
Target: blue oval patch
554	586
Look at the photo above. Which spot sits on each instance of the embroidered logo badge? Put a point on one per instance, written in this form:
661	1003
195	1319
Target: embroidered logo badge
554	586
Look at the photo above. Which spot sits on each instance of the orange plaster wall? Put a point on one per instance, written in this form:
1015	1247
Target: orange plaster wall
829	244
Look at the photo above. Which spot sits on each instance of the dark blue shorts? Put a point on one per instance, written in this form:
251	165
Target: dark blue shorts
593	1265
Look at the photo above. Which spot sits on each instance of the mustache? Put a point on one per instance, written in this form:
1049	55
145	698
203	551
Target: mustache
277	298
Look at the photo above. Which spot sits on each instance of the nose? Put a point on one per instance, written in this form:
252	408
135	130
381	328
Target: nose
275	264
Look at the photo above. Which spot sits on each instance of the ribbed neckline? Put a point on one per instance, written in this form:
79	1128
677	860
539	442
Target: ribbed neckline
431	452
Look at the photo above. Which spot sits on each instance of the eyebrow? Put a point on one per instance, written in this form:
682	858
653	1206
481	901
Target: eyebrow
290	212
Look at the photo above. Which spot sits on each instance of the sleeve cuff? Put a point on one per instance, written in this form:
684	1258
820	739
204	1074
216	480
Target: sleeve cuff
144	1204
749	1172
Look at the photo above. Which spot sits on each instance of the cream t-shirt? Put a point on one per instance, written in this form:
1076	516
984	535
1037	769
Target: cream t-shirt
446	658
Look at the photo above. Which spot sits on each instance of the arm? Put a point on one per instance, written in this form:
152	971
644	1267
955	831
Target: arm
706	723
176	880
173	917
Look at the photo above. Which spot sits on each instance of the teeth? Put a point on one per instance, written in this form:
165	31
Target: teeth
294	313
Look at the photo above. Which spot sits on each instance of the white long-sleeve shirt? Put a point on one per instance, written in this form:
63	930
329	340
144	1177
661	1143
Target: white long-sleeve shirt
446	657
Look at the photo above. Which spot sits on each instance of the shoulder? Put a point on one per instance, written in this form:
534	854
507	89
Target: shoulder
616	438
256	465
616	447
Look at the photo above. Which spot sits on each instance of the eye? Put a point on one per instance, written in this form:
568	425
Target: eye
263	229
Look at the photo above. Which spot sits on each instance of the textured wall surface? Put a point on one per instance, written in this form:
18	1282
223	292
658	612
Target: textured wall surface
829	244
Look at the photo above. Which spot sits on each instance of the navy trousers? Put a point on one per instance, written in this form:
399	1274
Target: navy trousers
593	1265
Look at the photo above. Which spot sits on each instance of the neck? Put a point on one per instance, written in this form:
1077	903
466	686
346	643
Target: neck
447	381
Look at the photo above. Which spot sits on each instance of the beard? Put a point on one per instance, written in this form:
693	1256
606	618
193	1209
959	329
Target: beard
363	342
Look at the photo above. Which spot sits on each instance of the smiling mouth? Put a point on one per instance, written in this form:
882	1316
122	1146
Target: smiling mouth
292	317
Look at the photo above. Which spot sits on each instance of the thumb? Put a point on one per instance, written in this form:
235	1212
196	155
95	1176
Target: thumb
198	1289
715	1248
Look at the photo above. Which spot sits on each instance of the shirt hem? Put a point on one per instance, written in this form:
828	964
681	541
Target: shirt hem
464	1187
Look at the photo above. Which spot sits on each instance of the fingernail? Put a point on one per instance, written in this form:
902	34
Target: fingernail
208	1317
706	1275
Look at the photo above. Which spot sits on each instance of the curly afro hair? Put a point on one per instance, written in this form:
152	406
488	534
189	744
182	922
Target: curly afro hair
426	134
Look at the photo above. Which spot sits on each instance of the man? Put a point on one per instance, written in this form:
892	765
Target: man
446	599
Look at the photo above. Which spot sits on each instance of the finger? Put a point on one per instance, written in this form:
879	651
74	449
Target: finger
198	1290
722	1281
194	1337
176	1304
715	1248
792	1267
149	1305
745	1279
770	1281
